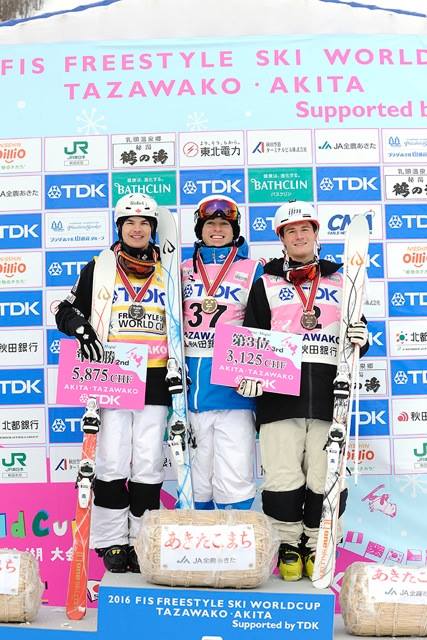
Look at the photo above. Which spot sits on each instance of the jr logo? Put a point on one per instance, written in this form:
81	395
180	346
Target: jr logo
423	452
79	146
15	458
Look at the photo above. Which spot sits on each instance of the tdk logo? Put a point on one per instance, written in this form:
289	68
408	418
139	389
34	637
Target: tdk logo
79	191
63	267
20	231
154	295
348	183
21	308
261	224
406	221
335	253
408	377
223	291
407	298
53	339
22	386
339	222
65	424
373	418
195	185
377	338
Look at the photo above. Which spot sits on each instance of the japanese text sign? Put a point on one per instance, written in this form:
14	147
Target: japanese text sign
118	382
397	584
207	548
9	573
270	356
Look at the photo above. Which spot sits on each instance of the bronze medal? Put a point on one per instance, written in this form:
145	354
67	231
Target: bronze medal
308	320
209	305
136	311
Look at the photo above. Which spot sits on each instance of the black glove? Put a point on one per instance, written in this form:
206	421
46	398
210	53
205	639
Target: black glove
91	348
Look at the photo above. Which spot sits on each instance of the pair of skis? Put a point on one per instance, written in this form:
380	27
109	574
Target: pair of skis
179	432
355	265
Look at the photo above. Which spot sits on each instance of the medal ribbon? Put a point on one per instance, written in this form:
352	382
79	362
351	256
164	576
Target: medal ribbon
134	296
211	288
308	303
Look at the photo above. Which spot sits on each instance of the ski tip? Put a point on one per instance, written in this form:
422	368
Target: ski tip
164	211
321	583
76	613
360	222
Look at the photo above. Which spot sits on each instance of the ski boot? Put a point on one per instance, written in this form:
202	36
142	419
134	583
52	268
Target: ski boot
115	558
290	563
174	376
309	560
133	564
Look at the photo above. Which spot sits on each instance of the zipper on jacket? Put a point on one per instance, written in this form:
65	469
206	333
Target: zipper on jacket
197	382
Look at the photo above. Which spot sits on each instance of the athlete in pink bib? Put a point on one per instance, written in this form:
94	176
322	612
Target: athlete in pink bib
298	293
216	283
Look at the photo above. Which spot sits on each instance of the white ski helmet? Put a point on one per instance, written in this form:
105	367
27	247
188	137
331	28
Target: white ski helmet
137	204
292	212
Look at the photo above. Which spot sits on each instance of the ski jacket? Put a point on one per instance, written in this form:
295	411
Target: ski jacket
77	306
274	304
199	328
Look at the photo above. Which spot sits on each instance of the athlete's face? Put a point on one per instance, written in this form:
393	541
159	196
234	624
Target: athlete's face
299	240
136	232
217	232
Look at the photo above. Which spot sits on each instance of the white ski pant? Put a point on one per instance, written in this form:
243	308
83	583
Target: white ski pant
222	468
294	464
129	446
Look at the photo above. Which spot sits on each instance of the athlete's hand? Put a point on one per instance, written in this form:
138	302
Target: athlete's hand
357	333
90	346
250	388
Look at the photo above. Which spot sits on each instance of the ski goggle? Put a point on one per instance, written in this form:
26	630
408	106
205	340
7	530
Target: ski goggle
221	206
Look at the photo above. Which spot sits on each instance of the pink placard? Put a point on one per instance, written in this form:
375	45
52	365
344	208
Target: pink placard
271	356
118	382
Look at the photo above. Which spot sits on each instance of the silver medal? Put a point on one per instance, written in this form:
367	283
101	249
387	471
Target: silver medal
308	320
136	311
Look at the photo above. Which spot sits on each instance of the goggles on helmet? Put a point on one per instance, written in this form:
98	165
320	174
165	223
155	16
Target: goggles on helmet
224	207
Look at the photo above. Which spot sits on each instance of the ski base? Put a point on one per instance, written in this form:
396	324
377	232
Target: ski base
355	264
179	431
78	577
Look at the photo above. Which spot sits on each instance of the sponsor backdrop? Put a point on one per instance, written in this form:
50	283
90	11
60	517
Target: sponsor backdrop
338	122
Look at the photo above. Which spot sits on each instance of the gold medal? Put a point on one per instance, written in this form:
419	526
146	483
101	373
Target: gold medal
209	305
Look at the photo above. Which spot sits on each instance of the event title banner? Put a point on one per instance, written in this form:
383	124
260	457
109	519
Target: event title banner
306	81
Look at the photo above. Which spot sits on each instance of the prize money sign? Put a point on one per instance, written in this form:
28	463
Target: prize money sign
270	356
118	382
